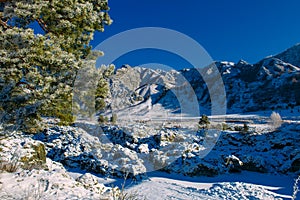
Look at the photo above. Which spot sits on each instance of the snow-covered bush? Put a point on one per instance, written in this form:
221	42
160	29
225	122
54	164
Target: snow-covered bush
276	119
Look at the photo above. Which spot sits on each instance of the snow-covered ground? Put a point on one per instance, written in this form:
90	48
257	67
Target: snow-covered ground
265	148
158	185
246	185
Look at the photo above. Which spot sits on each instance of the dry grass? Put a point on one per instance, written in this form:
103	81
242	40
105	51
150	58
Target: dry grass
9	166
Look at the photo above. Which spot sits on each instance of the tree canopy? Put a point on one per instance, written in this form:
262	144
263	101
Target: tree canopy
37	71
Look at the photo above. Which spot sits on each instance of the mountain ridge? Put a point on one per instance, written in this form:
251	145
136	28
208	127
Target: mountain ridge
271	83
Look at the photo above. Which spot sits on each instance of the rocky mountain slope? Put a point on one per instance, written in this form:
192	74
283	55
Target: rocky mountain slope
291	55
272	83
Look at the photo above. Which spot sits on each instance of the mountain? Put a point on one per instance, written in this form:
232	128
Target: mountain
291	55
272	83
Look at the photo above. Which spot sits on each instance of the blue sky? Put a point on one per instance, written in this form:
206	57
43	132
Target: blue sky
228	29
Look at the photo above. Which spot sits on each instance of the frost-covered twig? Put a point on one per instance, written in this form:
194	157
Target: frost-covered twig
276	119
296	188
35	191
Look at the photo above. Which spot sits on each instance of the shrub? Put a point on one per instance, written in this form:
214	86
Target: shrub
65	119
226	127
113	118
11	166
245	128
204	122
102	119
242	129
238	128
122	194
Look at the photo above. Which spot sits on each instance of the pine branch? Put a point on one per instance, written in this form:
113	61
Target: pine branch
2	22
21	83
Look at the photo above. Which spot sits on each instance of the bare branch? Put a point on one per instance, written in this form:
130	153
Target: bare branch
42	24
22	83
4	24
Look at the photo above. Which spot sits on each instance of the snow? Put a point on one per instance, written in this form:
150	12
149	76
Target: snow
159	185
246	185
53	183
60	182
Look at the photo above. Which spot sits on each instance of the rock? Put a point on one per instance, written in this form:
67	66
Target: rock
295	166
91	183
36	155
23	151
143	148
233	163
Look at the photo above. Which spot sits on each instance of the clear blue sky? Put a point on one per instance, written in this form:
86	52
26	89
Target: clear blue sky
228	29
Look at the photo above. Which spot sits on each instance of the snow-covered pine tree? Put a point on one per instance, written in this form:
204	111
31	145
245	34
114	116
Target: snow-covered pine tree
37	70
91	87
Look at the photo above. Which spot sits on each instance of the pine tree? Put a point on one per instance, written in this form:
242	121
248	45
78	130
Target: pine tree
91	88
37	71
102	89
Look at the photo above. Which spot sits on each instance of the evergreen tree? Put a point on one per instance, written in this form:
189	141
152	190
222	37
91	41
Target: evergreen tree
37	71
102	89
91	88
